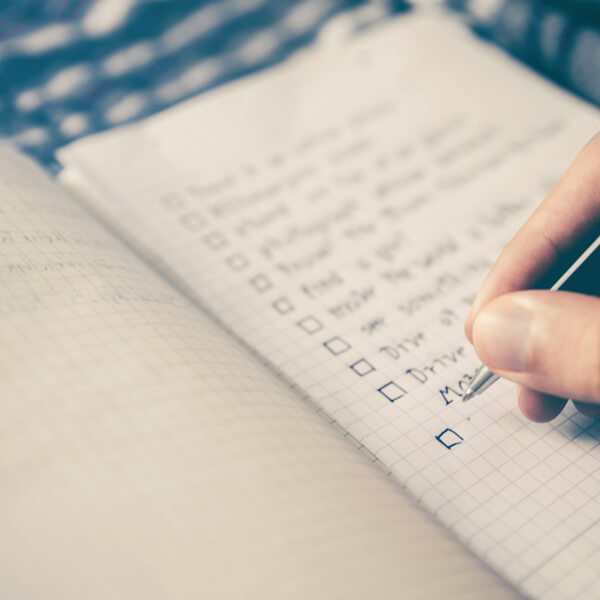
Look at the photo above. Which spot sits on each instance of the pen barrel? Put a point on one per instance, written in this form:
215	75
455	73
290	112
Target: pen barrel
488	382
584	275
482	379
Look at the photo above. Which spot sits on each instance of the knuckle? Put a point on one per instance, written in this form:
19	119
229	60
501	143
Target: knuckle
590	362
538	361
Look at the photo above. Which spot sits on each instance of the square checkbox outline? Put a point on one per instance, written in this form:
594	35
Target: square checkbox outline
192	221
215	240
283	306
304	324
401	391
329	344
449	443
238	262
173	201
358	371
261	283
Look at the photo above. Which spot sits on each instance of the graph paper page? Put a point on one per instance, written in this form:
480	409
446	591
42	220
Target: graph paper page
339	214
144	456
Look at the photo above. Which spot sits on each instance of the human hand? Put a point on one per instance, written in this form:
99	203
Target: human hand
548	342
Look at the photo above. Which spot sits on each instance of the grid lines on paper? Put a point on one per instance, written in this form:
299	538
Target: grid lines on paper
354	280
496	529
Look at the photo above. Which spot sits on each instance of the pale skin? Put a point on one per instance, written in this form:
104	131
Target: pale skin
548	342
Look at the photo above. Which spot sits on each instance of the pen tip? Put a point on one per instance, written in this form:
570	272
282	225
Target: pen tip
468	395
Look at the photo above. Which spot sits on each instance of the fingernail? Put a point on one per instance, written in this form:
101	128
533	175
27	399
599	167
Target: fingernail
500	335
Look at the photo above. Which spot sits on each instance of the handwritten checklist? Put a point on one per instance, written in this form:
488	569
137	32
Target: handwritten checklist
343	240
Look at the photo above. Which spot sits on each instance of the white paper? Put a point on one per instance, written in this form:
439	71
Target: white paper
338	214
145	456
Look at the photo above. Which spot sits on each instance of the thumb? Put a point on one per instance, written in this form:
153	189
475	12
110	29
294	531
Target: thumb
547	341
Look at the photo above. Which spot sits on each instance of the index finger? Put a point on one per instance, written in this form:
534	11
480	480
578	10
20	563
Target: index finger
561	227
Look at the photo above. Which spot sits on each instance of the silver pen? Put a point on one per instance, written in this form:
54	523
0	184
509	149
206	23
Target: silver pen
583	276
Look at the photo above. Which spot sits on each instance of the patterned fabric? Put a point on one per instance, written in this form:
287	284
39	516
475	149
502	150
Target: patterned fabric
560	38
69	68
73	67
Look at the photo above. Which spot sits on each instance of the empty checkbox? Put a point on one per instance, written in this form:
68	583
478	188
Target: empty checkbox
392	391
237	262
215	240
261	283
449	438
173	202
336	345
362	367
283	306
310	324
192	220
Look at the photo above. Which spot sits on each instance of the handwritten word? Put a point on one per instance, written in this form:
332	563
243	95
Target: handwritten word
392	276
353	302
388	251
449	394
422	375
405	346
373	326
359	231
259	221
322	286
308	261
320	227
441	286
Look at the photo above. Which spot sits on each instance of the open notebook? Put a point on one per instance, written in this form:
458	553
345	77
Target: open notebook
305	241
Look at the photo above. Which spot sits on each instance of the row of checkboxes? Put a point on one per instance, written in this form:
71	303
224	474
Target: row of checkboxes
336	345
194	222
391	391
238	262
310	324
